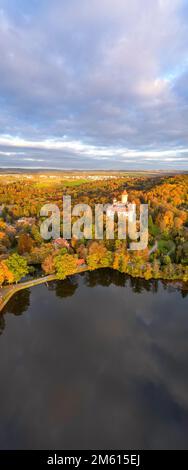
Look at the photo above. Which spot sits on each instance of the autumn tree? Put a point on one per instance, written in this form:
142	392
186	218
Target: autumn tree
5	274
99	256
65	265
17	266
48	265
82	251
38	254
25	243
121	260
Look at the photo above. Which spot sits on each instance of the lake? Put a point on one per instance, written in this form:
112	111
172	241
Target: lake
98	361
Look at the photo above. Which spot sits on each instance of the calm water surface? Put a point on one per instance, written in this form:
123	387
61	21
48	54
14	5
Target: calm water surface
95	362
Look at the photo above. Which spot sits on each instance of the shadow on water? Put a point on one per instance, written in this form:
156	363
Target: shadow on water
17	305
97	361
20	302
107	277
66	288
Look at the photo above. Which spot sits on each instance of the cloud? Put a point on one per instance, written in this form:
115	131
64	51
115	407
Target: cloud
104	79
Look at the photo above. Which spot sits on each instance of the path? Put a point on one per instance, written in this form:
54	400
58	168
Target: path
154	248
7	292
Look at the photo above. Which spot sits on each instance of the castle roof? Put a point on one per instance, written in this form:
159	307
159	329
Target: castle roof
61	242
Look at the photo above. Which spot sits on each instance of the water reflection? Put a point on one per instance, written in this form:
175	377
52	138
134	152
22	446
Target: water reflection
95	368
2	324
107	277
17	305
20	302
64	289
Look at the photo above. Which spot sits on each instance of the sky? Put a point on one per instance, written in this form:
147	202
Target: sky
94	84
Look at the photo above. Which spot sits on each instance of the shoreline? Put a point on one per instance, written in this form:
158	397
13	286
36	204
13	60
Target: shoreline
13	289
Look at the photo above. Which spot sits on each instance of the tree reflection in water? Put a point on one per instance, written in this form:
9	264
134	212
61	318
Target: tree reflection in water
65	288
17	305
105	277
2	324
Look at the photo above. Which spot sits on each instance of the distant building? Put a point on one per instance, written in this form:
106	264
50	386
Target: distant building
1	209
61	243
120	206
26	221
124	197
80	262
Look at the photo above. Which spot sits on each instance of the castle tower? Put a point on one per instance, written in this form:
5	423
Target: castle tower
124	197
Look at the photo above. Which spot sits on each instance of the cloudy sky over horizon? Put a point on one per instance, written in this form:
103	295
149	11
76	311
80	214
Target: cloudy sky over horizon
92	84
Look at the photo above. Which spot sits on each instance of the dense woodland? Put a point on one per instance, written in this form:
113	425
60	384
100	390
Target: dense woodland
24	253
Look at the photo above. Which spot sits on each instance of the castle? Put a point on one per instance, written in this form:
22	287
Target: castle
121	206
123	203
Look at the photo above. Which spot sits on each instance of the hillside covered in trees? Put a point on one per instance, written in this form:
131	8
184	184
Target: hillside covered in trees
24	253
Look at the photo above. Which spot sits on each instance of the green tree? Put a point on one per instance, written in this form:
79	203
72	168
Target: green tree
35	232
93	261
65	265
17	265
166	259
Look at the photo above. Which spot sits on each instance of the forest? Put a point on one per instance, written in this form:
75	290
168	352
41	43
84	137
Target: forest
24	254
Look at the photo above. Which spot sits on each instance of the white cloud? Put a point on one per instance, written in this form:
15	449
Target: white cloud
111	76
87	151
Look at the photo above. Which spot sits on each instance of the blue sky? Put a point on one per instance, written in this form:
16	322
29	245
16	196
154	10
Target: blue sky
93	84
